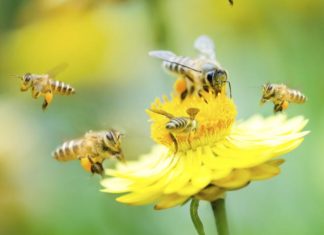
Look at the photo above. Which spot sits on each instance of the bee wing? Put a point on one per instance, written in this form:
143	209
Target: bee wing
169	56
57	69
192	112
163	55
206	47
162	112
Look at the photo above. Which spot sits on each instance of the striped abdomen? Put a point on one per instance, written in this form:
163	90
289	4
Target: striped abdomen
70	150
178	124
61	88
296	96
175	64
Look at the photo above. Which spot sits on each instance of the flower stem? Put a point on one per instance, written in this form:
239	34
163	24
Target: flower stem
220	216
195	217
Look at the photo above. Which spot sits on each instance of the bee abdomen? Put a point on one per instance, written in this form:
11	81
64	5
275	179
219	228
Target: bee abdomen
62	88
175	64
70	150
176	124
297	97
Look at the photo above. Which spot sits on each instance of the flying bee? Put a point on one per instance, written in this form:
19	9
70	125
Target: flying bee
45	85
195	75
179	125
92	149
281	96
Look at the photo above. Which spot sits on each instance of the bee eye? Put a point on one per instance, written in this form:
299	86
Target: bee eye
109	136
27	77
210	77
269	88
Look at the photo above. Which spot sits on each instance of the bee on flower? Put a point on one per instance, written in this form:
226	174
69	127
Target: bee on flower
195	75
180	125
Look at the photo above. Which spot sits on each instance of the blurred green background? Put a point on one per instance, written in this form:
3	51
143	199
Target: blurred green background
105	44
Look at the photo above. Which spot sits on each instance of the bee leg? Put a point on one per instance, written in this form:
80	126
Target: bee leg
23	88
48	99
263	101
206	88
201	96
175	142
277	108
189	139
192	90
35	94
184	94
96	167
217	91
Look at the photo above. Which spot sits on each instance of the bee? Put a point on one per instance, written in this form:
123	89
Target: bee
179	125
231	2
281	96
195	75
92	149
45	85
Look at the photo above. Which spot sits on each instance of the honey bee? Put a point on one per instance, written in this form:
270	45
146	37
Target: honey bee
281	96
195	75
92	149
45	85
178	125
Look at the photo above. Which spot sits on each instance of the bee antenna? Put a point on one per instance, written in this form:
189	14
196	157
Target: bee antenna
16	76
230	88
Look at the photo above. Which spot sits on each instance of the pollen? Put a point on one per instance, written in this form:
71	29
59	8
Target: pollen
214	120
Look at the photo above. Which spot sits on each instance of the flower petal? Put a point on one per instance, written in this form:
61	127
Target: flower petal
171	200
267	170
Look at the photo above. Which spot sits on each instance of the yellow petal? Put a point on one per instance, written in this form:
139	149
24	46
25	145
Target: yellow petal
267	170
211	193
237	179
116	185
168	201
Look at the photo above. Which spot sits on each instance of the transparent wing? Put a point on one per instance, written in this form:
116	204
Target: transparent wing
173	58
163	55
162	112
206	47
57	69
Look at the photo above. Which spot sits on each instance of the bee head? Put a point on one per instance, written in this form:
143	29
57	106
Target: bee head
267	92
267	89
216	77
112	140
27	78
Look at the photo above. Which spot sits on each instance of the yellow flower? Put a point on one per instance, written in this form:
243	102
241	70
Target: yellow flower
221	155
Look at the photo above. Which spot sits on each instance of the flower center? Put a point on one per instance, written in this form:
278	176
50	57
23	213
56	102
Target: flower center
177	128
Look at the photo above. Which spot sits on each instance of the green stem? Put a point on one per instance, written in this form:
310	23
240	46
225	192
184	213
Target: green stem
195	217
220	216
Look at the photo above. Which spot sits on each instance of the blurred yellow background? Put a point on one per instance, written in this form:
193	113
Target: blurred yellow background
105	43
